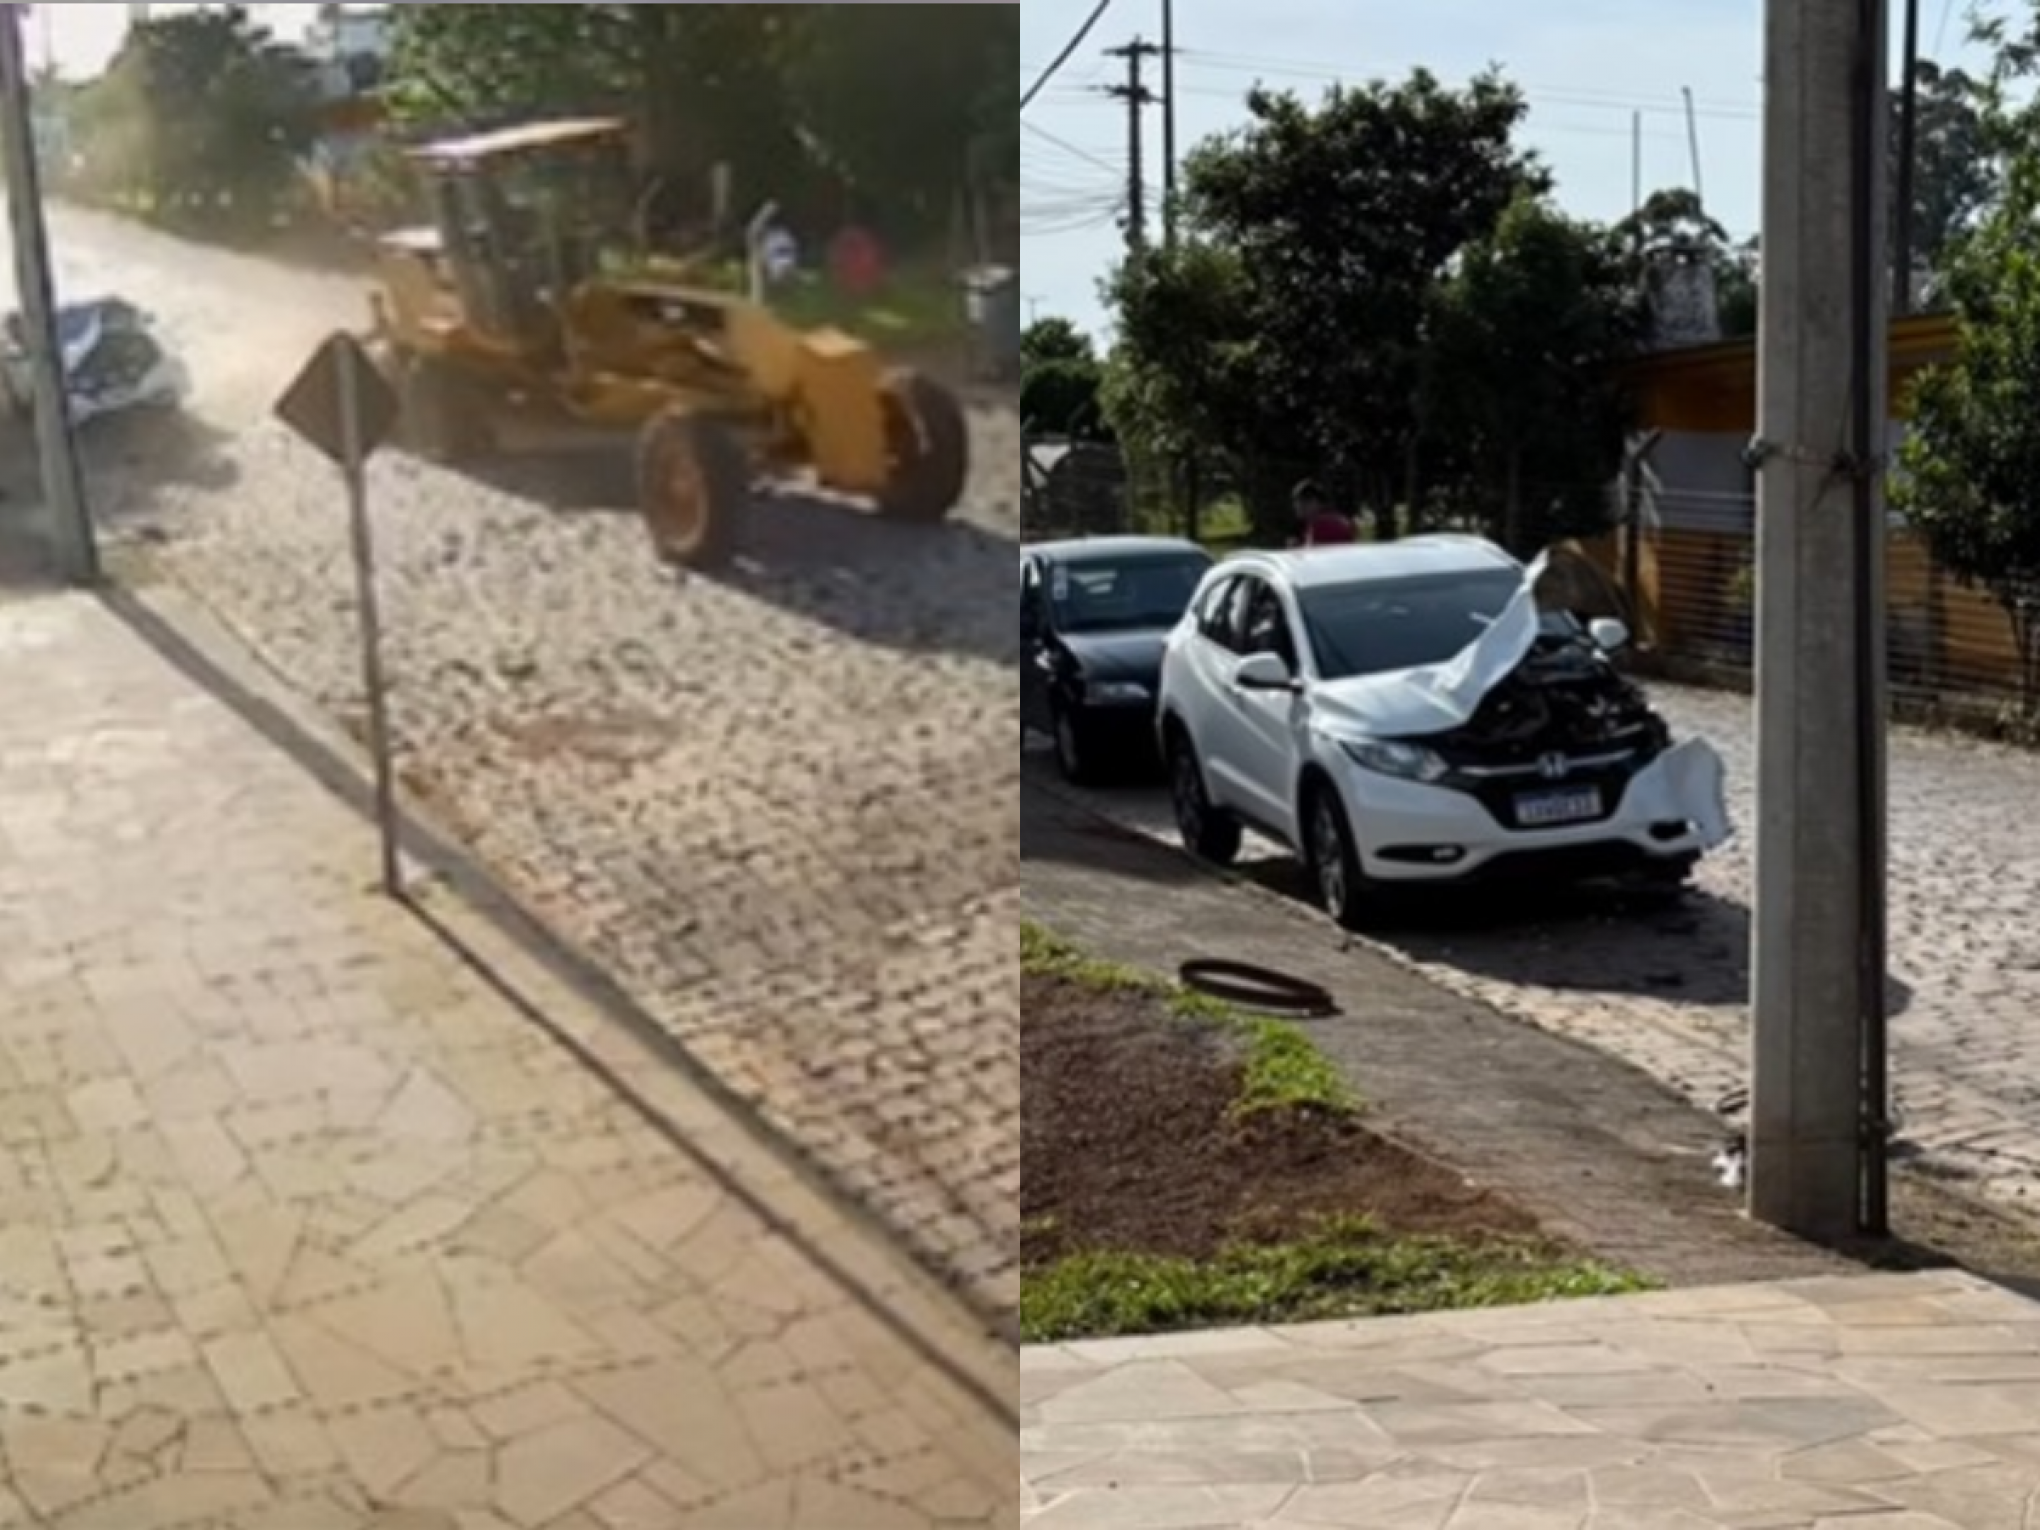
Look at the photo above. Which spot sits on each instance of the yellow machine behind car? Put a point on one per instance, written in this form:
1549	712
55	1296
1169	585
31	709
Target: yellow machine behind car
519	291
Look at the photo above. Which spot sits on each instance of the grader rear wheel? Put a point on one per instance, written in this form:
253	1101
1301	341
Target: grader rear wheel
693	481
929	439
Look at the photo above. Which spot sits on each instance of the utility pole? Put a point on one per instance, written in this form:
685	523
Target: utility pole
1169	124
1908	140
63	490
1693	146
1818	1085
1137	97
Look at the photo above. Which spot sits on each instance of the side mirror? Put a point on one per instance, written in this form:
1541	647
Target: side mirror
1609	635
1263	672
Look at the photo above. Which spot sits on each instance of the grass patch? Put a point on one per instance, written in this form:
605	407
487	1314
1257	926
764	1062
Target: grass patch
1281	1068
1344	1269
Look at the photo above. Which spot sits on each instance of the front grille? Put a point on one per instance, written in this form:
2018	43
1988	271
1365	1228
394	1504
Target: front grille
1497	789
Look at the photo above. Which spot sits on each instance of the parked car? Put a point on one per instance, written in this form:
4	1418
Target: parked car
1406	714
1094	614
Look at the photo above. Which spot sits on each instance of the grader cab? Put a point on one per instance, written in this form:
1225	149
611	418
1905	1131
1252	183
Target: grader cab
528	290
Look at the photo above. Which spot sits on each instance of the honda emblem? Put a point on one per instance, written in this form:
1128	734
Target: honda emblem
1554	767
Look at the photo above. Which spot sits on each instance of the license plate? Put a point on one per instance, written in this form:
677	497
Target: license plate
1542	810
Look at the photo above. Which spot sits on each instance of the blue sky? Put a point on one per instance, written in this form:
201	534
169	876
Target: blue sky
1585	66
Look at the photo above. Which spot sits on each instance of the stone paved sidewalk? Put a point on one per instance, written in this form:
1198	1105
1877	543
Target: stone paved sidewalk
302	1227
1876	1402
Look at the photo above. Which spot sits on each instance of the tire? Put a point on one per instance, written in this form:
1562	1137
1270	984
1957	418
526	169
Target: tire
445	416
1332	857
928	440
1209	833
1075	747
693	482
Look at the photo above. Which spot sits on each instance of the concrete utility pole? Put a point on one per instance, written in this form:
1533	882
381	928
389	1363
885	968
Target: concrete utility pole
1908	162
1817	1103
1137	97
63	490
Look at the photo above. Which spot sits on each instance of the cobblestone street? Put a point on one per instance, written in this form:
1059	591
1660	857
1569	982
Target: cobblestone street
1666	990
304	1227
780	806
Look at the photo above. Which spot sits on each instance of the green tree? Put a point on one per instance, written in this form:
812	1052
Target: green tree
902	101
205	114
1970	467
1523	337
1054	339
1673	232
1954	172
706	82
1335	223
1191	376
1061	382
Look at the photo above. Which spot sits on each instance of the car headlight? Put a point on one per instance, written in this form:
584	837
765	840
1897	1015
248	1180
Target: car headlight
1388	757
1117	693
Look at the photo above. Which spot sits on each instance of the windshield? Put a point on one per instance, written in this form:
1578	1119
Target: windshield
1382	625
1127	596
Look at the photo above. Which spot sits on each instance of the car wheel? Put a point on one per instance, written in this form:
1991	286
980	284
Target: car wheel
1333	858
1074	755
1209	833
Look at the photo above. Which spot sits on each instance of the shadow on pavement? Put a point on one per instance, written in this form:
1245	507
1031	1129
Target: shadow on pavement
1584	938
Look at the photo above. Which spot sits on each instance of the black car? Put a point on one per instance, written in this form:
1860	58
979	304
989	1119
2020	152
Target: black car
1094	616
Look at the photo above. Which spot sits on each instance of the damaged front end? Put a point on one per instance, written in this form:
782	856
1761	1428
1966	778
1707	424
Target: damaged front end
1534	721
1564	739
114	362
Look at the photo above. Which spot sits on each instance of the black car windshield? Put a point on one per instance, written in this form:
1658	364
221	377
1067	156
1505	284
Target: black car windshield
1125	595
1382	625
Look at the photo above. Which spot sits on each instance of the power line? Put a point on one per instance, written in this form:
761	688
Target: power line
1072	149
1063	57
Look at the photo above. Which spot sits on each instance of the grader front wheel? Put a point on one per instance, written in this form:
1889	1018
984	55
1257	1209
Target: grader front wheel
692	484
929	441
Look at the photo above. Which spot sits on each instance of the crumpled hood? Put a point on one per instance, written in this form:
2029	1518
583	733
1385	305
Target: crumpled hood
1434	698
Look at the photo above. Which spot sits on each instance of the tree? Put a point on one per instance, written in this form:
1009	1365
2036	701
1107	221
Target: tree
1054	339
1524	334
1061	382
203	112
1954	172
908	148
1672	234
1314	238
706	82
1192	375
1970	466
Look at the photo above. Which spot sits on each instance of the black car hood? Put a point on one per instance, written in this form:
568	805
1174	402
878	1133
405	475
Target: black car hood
1135	656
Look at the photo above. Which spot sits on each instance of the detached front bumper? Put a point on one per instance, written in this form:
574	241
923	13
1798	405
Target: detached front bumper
1673	810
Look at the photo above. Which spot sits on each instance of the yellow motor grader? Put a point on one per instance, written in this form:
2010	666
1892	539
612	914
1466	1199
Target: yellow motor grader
526	290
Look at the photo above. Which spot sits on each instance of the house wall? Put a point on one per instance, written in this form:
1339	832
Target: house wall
1699	518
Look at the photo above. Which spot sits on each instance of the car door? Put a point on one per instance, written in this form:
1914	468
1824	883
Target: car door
1035	668
1195	677
1261	727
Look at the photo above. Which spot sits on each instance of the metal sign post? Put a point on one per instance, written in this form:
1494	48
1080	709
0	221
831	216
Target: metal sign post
361	536
343	406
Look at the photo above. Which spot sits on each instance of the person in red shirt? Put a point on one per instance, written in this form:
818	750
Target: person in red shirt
1318	524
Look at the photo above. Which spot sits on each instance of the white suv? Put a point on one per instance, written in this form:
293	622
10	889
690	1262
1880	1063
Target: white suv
1405	713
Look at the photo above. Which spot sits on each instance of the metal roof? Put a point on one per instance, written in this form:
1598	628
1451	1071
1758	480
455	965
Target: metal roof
522	139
